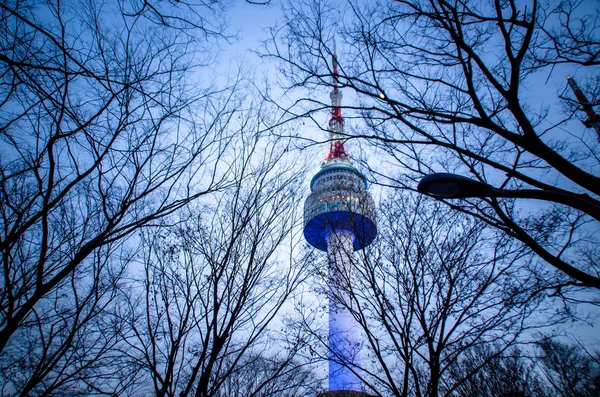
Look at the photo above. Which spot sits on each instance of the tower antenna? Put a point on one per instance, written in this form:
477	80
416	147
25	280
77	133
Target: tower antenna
336	122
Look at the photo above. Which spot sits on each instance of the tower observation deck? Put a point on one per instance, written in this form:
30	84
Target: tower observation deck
339	218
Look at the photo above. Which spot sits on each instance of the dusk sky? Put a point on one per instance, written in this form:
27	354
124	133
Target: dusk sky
193	208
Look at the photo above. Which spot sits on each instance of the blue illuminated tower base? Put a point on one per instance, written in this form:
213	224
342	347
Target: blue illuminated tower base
344	331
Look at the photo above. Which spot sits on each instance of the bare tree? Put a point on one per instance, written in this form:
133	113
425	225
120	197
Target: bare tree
213	284
102	131
66	346
484	371
569	368
551	369
446	86
435	287
263	376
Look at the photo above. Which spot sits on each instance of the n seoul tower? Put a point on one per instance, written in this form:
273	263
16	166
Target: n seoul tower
339	219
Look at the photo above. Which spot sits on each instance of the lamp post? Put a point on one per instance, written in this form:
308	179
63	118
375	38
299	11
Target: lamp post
452	186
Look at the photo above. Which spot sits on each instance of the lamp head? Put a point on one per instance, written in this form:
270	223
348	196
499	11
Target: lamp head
446	186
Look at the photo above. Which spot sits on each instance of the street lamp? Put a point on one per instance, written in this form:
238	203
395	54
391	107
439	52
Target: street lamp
450	186
443	185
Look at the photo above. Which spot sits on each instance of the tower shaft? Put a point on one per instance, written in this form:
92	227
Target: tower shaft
344	331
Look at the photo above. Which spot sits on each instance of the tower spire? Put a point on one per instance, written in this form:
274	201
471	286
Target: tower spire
336	122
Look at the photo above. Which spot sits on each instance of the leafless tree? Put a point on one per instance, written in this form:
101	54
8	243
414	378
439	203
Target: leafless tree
66	346
263	376
552	368
105	127
453	86
484	371
569	368
435	287
214	283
